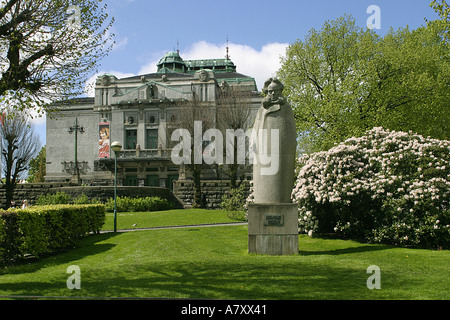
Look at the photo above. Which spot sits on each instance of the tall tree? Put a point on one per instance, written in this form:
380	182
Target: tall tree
19	145
443	10
195	117
37	167
234	113
344	80
49	48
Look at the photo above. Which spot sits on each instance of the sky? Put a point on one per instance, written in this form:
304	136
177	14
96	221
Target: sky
258	31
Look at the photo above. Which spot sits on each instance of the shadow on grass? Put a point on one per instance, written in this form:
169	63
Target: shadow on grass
235	275
364	248
235	280
239	280
85	247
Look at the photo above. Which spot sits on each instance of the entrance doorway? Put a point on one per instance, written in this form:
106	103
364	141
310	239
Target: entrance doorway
131	181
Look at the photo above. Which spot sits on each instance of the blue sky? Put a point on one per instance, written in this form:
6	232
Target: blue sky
258	30
145	29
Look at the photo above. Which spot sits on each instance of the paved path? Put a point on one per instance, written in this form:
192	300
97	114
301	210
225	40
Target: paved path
181	227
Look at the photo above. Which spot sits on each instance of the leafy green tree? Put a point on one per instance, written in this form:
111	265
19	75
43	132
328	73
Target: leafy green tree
443	10
344	80
49	49
37	167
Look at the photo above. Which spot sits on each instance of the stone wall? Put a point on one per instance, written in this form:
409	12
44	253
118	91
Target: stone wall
182	196
212	190
32	192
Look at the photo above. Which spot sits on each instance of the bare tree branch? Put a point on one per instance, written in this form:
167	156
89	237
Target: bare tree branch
19	145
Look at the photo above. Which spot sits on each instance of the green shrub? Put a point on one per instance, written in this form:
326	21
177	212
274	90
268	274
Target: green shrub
63	198
33	232
51	199
9	236
234	203
84	199
128	204
386	186
41	230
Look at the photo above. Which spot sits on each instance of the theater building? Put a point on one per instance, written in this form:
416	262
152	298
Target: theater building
138	112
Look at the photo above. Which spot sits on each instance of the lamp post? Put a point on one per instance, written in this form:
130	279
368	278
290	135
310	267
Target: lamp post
116	147
76	129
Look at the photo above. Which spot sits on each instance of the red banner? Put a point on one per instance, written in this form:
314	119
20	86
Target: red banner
103	149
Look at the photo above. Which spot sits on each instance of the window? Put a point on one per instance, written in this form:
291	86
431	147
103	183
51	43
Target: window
130	118
131	181
152	139
151	118
152	180
131	139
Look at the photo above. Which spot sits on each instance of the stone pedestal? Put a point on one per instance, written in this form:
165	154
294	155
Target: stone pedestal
273	229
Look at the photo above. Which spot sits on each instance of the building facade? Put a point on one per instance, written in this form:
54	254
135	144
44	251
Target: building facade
140	113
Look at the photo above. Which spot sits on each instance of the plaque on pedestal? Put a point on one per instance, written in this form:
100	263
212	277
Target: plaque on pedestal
273	229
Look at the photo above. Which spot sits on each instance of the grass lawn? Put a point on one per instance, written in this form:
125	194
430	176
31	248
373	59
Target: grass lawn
180	217
213	263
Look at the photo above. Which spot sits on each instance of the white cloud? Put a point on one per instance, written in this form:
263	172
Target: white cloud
120	44
259	64
113	39
150	67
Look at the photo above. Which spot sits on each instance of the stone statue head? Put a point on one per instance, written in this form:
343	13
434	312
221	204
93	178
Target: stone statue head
273	89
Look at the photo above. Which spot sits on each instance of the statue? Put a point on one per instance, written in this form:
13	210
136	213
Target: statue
274	146
273	218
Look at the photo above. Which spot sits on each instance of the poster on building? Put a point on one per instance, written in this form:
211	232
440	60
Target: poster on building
103	149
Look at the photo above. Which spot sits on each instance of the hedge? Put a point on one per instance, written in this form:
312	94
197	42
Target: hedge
41	230
124	204
128	204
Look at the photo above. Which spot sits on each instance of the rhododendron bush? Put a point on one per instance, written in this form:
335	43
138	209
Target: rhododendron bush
390	187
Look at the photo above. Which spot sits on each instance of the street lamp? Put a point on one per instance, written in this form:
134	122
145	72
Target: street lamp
76	129
116	147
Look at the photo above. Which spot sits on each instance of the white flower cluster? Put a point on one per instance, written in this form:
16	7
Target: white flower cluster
250	199
379	178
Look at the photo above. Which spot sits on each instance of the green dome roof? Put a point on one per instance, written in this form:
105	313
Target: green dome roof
171	57
171	62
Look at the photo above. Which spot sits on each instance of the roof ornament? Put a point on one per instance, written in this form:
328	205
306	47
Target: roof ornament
228	51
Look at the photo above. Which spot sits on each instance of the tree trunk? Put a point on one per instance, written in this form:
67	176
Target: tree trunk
9	194
196	172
